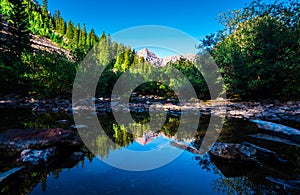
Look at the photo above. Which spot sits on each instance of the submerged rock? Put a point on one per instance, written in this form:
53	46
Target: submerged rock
9	173
287	183
41	158
233	159
274	138
17	140
279	130
79	126
231	152
185	147
265	154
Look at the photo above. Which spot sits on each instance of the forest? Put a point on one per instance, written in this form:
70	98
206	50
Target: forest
257	52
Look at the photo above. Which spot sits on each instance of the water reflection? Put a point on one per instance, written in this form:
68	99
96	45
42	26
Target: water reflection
190	170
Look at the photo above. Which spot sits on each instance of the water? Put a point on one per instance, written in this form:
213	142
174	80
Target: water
189	173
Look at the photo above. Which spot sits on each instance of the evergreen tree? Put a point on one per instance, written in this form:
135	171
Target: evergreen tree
76	35
14	12
114	49
45	8
57	17
121	49
70	31
83	37
62	29
92	39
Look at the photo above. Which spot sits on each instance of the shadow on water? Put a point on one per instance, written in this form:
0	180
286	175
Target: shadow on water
75	176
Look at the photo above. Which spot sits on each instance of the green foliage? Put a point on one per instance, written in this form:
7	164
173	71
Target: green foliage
194	76
14	12
258	50
49	73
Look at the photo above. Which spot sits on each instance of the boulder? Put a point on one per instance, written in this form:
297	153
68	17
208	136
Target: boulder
10	173
234	153
279	130
233	159
274	139
185	147
17	140
295	184
38	158
265	154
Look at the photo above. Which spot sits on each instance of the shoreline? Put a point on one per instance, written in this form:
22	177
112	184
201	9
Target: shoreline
272	110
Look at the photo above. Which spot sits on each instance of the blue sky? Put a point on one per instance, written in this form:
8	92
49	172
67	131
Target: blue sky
194	17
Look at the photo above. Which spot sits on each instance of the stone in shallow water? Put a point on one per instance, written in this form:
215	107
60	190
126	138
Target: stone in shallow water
279	130
185	147
287	183
231	151
9	173
16	140
274	138
62	122
78	126
265	154
38	157
233	159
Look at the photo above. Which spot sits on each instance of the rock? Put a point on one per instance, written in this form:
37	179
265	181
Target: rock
233	160
38	109
68	160
63	122
9	173
77	156
274	138
185	147
279	130
265	154
150	57
78	126
16	140
286	183
40	158
112	104
234	153
291	118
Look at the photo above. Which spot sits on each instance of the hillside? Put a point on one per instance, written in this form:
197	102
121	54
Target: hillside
37	42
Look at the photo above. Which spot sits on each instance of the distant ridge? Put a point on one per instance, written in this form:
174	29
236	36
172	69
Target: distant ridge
151	57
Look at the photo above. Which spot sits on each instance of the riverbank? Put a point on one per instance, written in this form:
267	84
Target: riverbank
265	147
272	110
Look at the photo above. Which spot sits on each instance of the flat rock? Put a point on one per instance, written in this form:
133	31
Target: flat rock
233	159
16	140
265	154
9	173
79	126
279	130
233	152
274	139
38	157
185	147
287	183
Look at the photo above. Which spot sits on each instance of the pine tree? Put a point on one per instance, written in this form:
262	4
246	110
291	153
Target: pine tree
45	8
83	37
62	29
101	49
76	31
14	12
114	49
57	17
93	39
121	49
70	31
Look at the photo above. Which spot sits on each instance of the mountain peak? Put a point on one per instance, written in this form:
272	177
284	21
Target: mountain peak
149	56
